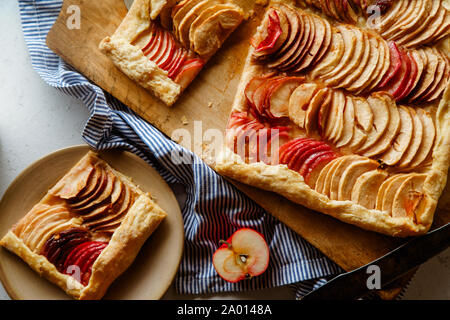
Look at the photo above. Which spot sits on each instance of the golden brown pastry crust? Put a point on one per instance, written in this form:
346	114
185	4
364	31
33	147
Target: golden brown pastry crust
140	222
291	184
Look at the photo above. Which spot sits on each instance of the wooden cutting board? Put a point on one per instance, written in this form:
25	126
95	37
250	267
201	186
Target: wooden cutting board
208	99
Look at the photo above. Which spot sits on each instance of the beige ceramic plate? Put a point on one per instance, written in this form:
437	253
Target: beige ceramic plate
157	263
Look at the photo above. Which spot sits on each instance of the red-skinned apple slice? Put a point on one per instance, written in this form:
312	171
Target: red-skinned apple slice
290	148
274	36
306	150
159	43
305	159
395	65
167	57
398	83
312	170
175	68
244	255
294	40
188	72
411	78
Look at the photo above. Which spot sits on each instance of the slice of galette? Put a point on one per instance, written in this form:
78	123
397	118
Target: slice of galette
86	230
163	45
336	118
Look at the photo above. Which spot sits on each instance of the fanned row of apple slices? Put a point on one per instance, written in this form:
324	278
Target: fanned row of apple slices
103	202
252	140
415	23
372	127
348	57
360	180
42	222
73	248
410	23
203	25
180	64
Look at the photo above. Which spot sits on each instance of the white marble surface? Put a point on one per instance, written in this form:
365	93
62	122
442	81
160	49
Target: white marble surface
37	119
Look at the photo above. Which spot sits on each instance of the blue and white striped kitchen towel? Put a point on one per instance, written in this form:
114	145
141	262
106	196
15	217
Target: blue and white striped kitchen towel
213	208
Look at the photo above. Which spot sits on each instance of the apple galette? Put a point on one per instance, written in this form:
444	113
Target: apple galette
163	44
86	230
345	119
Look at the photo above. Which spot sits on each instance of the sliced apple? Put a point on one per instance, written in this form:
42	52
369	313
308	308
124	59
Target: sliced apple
431	29
210	35
244	255
364	114
299	102
337	173
332	56
429	75
349	124
388	19
429	134
351	174
329	177
408	196
394	66
40	214
187	21
382	68
339	102
381	106
440	80
415	143
349	69
313	110
79	202
272	34
403	139
106	192
320	181
403	17
118	211
174	69
357	79
326	44
294	37
391	189
364	191
324	114
188	72
299	26
74	182
351	45
318	43
413	34
280	96
383	142
181	10
415	19
398	84
312	171
289	149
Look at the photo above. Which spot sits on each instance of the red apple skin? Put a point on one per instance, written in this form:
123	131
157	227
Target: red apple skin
273	33
226	247
396	63
188	72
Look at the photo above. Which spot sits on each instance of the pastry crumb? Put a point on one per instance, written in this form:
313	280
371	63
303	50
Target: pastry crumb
184	120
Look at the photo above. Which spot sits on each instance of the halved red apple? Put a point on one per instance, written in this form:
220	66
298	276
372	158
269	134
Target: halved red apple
243	256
